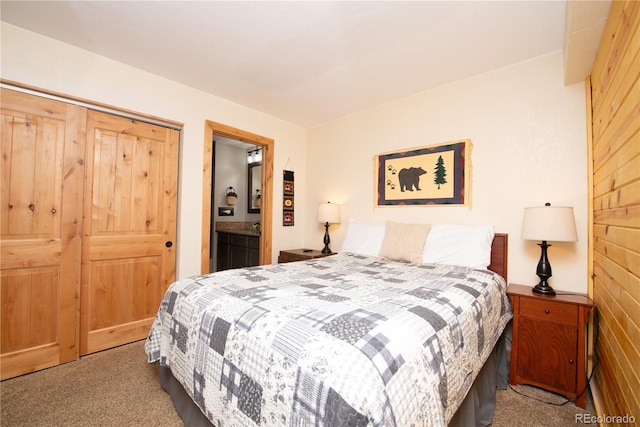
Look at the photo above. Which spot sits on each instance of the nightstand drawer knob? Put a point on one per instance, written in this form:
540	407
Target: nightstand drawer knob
546	310
570	361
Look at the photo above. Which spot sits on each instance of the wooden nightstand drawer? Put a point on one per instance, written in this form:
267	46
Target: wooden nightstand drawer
549	311
293	258
292	255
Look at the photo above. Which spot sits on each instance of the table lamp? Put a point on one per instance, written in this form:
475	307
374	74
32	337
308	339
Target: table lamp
548	223
328	213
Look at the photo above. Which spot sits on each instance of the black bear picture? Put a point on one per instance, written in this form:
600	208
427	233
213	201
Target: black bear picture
430	175
410	178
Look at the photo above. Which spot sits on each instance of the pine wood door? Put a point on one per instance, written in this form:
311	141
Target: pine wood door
129	228
40	231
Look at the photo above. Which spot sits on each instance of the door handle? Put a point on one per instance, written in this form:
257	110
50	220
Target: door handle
168	243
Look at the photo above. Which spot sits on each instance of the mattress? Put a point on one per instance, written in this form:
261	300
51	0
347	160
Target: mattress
339	340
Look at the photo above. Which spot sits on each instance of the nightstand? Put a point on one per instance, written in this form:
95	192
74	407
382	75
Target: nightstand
548	341
300	255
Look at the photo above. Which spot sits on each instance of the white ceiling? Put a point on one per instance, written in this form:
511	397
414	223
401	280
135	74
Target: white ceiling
309	62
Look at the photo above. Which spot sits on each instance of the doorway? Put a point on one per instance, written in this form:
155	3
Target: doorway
213	130
236	186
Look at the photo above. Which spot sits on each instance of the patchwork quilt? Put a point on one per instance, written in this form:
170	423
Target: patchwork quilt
339	340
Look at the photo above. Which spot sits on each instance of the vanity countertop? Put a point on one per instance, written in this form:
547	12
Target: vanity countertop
240	232
235	227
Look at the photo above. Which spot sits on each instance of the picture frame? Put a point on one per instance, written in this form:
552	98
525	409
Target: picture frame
436	175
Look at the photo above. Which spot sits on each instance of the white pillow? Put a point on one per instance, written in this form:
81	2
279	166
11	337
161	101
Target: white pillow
363	238
463	245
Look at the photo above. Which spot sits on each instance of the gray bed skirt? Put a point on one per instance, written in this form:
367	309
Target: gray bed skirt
476	409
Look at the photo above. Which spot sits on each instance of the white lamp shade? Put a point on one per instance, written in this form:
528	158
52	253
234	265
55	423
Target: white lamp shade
549	223
329	212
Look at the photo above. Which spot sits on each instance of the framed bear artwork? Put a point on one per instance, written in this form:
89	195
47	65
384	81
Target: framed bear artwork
432	175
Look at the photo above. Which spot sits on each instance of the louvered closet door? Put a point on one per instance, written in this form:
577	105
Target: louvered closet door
129	229
40	231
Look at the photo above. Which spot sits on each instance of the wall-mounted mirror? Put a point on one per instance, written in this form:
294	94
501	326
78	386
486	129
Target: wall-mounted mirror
254	187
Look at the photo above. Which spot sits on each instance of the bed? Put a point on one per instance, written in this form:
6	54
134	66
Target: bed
350	339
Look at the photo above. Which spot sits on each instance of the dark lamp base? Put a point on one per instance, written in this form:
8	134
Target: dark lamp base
543	288
543	272
326	240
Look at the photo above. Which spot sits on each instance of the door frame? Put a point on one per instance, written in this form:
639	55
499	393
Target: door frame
266	212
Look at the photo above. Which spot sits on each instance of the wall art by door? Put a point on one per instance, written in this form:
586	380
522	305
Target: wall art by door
287	199
432	175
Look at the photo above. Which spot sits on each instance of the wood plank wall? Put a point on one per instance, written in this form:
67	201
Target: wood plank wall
615	238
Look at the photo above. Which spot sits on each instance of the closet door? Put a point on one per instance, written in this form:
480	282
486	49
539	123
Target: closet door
40	231
129	229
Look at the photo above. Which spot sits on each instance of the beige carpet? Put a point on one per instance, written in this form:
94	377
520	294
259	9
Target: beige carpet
118	388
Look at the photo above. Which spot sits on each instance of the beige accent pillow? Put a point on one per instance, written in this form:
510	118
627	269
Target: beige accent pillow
404	242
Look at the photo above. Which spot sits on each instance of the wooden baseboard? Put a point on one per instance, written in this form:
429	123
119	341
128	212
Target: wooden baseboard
597	399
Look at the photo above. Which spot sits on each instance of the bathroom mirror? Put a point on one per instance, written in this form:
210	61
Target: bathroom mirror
254	188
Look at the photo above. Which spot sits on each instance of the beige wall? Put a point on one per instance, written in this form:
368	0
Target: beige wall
529	146
34	60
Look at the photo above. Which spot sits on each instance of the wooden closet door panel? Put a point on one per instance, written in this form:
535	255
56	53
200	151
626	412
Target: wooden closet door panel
129	229
40	231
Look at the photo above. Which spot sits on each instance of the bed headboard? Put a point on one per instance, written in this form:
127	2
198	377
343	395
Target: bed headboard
499	251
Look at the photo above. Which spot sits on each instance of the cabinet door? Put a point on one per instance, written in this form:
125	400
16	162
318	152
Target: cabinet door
40	231
253	257
223	252
129	229
547	354
238	251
